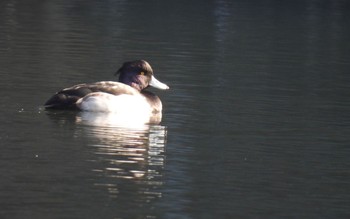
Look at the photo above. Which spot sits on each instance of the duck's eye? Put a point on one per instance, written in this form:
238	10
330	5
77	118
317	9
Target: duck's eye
142	73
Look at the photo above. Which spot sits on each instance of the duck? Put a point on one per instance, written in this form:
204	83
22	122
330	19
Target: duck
127	96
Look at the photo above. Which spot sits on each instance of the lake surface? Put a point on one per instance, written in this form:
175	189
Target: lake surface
256	123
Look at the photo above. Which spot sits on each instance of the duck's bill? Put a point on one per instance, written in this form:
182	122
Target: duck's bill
157	84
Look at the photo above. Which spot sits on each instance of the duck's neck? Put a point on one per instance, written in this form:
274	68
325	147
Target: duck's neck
136	81
136	86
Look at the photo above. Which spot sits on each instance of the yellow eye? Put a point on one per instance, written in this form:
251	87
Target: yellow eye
142	73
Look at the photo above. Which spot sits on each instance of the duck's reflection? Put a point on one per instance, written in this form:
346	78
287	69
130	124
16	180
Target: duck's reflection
129	156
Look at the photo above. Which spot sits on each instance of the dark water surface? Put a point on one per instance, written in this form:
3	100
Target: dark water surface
256	123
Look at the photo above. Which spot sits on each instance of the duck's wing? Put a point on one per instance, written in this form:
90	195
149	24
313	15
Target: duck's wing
66	98
110	87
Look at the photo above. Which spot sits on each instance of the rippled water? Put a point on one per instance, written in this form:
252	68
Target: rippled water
255	124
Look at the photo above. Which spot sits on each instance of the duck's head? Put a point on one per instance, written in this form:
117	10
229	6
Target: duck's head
139	75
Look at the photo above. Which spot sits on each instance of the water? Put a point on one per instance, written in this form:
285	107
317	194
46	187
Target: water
255	124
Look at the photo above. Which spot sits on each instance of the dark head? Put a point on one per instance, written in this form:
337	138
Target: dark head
139	75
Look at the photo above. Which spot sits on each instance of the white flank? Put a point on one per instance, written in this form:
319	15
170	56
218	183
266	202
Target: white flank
128	107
